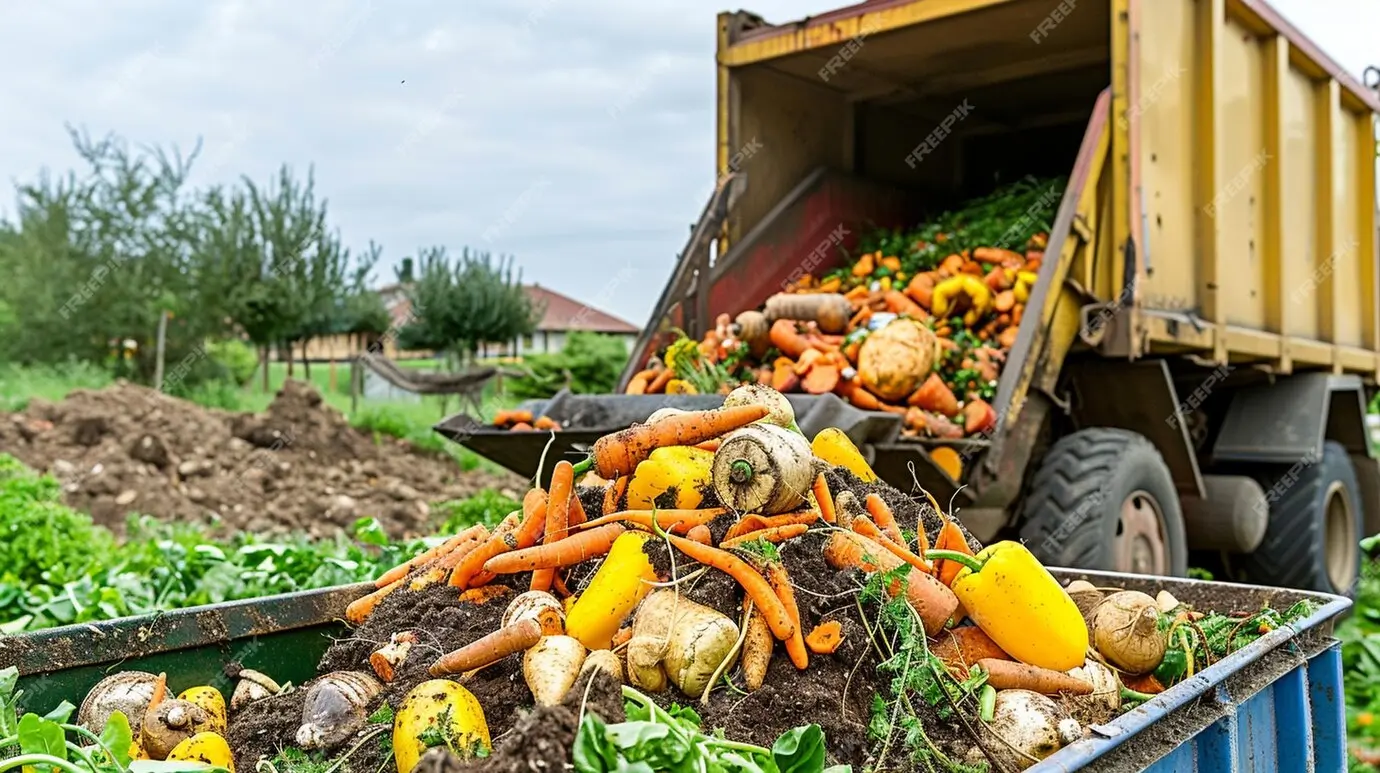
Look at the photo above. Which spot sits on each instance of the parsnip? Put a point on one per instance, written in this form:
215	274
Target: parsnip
551	667
684	640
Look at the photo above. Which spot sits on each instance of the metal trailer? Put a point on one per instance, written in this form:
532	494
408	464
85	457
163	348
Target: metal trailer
1271	707
1193	366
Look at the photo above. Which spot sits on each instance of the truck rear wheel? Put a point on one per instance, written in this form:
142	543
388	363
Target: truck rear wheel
1313	538
1104	499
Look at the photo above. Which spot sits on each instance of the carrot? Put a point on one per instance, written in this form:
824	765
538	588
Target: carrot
546	422
514	416
864	526
1146	683
710	445
489	649
795	643
855	393
807	360
557	518
700	534
751	581
1010	675
783	378
160	691
569	551
619	453
934	602
621	637
402	570
469	572
898	302
950	538
773	534
935	395
755	522
965	646
1004	302
577	514
825	499
360	609
637	385
785	336
821	379
825	638
952	265
440	569
659	381
485	594
882	516
613	493
678	521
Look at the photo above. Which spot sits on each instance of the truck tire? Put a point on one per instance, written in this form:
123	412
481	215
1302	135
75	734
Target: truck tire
1313	538
1104	499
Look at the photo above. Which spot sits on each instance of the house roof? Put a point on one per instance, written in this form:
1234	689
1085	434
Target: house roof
561	312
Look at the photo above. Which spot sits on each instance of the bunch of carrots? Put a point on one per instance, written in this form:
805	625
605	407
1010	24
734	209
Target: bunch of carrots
519	420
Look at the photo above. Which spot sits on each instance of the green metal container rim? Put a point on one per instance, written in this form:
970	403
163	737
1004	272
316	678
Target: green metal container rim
160	632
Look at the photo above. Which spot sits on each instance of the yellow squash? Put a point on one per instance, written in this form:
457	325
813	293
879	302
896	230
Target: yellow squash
684	471
1015	600
208	748
210	699
444	708
615	590
833	446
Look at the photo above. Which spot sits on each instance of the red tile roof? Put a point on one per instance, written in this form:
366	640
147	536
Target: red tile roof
562	313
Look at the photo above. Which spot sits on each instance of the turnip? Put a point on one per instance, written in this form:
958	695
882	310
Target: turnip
780	413
551	667
1031	727
539	606
764	469
1126	631
1105	701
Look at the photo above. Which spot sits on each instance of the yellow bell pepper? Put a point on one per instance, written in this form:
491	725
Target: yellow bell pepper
947	292
1015	600
438	706
209	699
618	586
207	747
684	471
680	387
833	446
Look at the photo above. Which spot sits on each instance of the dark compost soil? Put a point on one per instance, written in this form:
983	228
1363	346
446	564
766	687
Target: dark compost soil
836	691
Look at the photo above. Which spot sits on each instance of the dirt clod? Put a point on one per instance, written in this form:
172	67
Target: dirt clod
297	467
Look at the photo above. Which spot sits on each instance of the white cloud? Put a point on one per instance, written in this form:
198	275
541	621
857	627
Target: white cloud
426	122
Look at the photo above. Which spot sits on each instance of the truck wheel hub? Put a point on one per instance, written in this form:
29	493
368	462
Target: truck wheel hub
1140	544
1338	529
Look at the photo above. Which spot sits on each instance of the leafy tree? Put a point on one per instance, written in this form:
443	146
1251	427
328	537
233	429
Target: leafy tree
588	363
460	306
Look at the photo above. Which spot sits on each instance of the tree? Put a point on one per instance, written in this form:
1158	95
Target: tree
460	306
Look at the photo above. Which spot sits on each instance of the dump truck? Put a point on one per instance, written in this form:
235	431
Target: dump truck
1189	383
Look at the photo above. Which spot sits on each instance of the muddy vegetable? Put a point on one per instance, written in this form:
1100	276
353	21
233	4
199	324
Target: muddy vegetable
442	708
680	641
128	692
335	708
387	659
1104	702
1031	727
211	701
536	605
763	469
603	660
171	722
551	667
252	686
207	748
1126	632
779	410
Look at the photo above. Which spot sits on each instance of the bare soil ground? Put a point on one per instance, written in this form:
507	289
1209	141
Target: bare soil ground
297	467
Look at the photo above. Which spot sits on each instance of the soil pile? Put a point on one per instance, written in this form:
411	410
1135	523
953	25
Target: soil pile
837	691
297	467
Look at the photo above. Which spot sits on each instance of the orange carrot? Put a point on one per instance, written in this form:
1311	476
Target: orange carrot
935	395
402	570
825	638
822	379
485	594
637	385
576	548
882	516
755	522
700	534
773	534
160	691
613	493
534	505
864	526
825	499
659	382
675	520
440	569
577	514
1146	683
1010	675
711	445
785	336
619	453
546	422
621	637
932	601
505	418
557	518
360	609
950	538
966	645
795	643
752	582
489	649
469	572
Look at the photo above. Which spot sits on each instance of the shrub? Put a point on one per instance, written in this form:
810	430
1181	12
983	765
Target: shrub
593	360
487	507
235	359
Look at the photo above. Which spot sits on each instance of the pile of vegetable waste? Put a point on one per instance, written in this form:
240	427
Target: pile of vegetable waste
706	591
919	323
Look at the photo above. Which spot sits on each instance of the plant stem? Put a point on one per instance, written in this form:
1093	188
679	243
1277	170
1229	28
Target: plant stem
740	472
1127	694
954	555
584	466
40	759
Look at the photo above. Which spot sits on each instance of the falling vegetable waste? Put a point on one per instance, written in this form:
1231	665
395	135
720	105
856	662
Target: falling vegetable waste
658	593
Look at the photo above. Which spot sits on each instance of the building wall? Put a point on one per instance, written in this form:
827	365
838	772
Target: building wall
541	342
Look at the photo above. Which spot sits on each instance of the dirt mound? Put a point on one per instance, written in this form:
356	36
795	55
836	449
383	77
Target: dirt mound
298	466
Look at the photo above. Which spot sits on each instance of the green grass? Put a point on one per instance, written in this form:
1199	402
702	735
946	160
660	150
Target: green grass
18	385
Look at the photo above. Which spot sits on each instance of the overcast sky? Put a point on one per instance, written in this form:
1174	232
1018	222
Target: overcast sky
576	135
